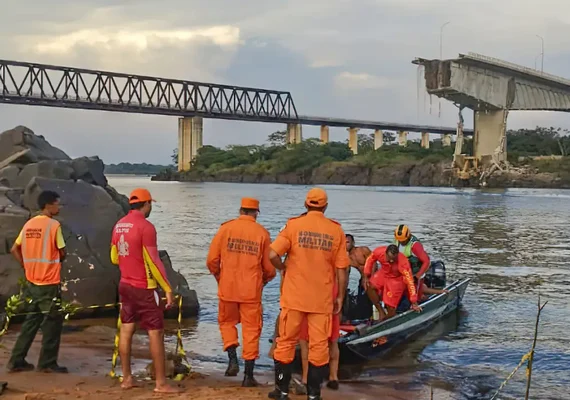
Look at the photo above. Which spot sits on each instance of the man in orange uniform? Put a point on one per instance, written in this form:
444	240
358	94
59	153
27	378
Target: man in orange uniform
40	249
135	250
316	258
239	260
391	279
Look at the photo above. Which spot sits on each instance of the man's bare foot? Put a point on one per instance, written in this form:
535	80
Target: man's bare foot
129	383
166	388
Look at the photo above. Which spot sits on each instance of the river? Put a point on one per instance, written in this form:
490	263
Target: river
514	244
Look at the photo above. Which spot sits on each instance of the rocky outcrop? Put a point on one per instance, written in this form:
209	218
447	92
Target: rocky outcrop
413	173
90	208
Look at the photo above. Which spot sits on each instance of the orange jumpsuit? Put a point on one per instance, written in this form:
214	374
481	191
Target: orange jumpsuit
239	259
392	278
315	246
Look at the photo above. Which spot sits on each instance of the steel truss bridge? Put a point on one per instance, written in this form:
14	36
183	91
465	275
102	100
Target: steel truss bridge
66	87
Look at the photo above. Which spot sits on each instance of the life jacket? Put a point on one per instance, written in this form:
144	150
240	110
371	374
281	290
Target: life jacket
39	251
415	263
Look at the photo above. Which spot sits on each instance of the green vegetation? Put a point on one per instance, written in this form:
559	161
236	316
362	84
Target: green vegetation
276	157
134	169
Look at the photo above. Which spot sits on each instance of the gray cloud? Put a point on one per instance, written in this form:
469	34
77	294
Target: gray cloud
342	58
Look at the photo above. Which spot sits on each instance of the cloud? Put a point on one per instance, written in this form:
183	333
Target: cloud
358	81
130	40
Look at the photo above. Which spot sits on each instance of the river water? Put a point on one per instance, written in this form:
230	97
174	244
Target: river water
514	244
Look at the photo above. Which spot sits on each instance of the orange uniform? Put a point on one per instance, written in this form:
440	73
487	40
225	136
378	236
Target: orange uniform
392	278
41	239
315	246
239	259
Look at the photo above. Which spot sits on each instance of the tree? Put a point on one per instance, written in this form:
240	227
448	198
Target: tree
174	157
365	143
388	137
278	138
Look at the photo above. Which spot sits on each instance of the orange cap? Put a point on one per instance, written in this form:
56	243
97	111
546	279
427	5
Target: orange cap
250	203
140	195
316	197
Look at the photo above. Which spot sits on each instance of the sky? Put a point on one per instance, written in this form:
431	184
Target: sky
338	58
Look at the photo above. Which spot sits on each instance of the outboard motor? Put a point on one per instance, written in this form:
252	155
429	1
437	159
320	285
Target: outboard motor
435	277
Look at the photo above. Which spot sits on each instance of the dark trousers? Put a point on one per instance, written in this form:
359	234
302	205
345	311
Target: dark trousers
50	320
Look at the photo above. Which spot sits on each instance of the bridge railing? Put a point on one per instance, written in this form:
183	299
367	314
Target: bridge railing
47	85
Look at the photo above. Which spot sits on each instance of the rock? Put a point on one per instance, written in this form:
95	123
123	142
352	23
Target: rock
10	273
190	305
9	174
21	138
55	169
12	218
91	170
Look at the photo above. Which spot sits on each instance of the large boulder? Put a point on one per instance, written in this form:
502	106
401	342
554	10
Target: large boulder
90	209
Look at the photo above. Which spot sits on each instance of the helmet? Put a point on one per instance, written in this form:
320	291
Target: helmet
402	233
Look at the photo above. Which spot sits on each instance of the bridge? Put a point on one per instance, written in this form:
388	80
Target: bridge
491	88
67	87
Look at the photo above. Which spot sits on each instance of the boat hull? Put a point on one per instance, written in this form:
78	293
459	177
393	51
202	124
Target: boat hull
373	341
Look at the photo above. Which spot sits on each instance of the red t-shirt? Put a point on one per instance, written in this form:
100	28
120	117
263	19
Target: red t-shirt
134	249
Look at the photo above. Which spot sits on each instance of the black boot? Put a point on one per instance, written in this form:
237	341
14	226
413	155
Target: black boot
282	380
248	379
233	365
315	378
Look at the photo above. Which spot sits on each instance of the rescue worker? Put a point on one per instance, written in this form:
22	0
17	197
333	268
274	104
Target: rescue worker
316	258
134	249
391	279
40	249
411	247
239	260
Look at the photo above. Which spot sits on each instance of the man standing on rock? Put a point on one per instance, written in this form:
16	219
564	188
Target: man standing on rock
134	249
40	249
239	260
316	258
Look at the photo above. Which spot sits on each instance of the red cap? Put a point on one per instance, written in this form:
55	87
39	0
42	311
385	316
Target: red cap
140	195
250	203
316	197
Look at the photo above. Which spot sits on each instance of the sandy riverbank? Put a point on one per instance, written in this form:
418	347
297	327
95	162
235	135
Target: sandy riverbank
87	354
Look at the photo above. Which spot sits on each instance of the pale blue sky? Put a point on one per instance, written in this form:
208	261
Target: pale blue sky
341	58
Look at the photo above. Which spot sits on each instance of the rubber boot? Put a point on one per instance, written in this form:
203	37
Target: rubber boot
233	365
315	378
248	379
282	380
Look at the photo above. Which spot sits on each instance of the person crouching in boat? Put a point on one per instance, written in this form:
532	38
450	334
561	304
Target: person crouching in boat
391	280
316	256
239	260
414	251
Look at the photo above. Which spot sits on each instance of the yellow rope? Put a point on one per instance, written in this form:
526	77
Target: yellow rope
523	360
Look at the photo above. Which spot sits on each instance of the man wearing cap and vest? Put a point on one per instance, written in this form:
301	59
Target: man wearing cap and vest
391	280
239	260
414	251
134	249
40	249
316	260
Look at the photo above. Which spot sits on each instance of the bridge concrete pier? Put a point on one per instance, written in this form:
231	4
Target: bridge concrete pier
325	134
353	139
425	140
378	139
294	133
446	140
190	139
490	140
403	138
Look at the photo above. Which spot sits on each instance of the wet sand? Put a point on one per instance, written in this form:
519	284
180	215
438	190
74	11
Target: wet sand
87	354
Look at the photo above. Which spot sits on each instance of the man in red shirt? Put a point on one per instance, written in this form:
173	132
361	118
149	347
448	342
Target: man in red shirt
134	249
391	279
